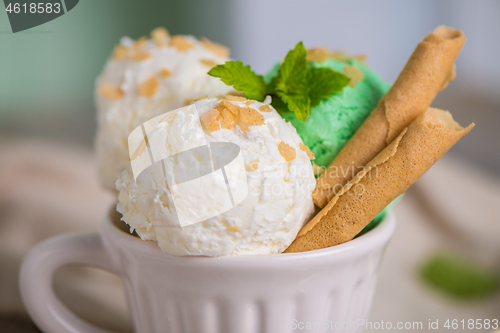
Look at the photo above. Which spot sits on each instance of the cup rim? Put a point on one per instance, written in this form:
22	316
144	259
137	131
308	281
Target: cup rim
379	235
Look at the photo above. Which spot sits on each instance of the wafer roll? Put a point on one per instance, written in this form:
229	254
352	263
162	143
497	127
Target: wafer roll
383	179
428	71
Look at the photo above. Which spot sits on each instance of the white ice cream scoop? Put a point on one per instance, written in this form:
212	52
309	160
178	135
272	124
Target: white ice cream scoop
217	177
146	78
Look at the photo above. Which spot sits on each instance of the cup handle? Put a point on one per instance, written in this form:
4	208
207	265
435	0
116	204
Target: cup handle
37	274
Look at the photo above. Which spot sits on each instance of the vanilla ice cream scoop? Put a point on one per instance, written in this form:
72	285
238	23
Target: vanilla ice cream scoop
143	79
218	177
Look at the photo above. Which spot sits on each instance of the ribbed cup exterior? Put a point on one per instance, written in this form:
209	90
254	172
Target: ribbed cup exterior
327	290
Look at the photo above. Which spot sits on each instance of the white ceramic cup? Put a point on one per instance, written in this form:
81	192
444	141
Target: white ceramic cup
232	294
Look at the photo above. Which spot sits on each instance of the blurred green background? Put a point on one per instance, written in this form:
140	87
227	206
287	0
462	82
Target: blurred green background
48	72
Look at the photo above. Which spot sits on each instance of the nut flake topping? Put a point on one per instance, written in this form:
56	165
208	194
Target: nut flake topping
228	118
110	91
180	43
235	98
210	120
141	56
120	53
209	63
164	73
149	87
159	36
287	152
226	115
307	150
140	43
319	54
354	74
265	108
253	166
216	48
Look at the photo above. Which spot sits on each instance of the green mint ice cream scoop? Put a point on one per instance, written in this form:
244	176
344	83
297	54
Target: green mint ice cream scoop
333	122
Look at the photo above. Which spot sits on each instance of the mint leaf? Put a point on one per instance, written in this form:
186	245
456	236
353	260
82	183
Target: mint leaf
323	82
292	75
291	82
279	105
271	87
299	104
242	78
458	276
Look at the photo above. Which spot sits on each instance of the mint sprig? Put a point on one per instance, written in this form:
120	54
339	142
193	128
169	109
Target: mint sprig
242	78
323	82
297	87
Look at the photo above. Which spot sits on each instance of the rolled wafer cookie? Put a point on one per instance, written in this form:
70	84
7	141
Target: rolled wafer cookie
383	179
428	71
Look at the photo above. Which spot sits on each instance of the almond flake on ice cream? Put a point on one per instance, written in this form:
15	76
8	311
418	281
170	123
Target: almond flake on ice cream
149	87
230	106
354	74
110	92
318	54
209	63
209	120
307	150
120	53
140	43
287	152
180	43
165	73
217	49
235	98
250	117
140	56
228	119
227	115
265	108
360	57
253	166
159	36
